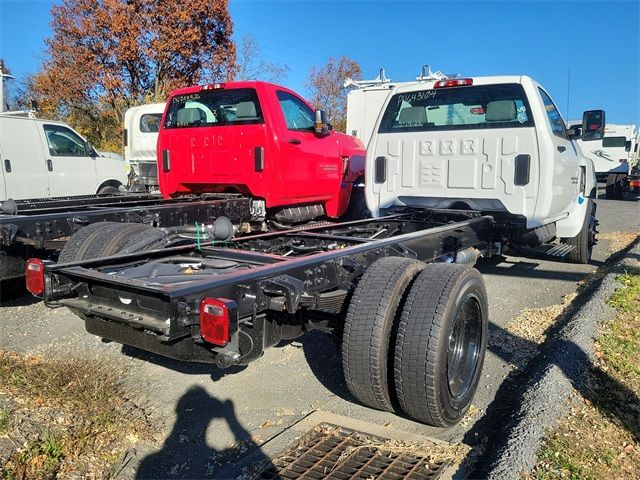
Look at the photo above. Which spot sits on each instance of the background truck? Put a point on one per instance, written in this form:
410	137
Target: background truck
493	144
45	158
261	140
613	156
250	151
398	290
141	126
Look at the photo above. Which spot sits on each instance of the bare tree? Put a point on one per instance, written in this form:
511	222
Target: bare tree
251	65
326	85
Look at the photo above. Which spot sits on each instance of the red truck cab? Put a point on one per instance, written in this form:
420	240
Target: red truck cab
258	139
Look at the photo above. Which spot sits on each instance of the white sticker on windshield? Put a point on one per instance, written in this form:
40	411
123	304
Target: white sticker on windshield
522	117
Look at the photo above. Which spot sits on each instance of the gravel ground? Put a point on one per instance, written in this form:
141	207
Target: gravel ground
214	417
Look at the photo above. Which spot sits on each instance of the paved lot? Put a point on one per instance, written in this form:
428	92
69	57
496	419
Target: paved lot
213	415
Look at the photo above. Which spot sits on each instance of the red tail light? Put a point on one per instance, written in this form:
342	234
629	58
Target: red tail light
454	82
214	320
34	273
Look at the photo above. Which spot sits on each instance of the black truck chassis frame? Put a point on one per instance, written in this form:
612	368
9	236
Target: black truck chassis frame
282	283
40	228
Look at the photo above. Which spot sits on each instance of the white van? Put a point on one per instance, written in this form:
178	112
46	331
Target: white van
44	158
141	126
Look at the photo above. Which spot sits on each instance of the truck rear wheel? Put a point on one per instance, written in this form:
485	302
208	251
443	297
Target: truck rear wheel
368	329
441	343
585	240
101	240
75	247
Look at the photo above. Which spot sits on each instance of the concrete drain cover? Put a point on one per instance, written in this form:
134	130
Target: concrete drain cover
333	452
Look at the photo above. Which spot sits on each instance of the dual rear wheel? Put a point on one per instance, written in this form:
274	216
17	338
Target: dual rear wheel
415	337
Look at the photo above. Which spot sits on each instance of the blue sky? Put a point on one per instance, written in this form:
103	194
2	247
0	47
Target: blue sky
599	41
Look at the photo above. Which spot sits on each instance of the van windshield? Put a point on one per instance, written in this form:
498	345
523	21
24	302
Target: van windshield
457	108
239	106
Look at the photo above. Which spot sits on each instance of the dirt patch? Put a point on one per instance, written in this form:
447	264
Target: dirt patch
64	417
532	323
618	240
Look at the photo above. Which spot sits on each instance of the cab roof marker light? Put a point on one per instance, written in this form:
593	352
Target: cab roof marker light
212	86
454	82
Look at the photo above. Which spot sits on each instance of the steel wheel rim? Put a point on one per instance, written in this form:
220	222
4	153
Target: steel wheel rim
464	347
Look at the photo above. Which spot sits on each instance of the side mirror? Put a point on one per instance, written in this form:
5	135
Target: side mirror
89	150
593	125
321	128
574	132
627	146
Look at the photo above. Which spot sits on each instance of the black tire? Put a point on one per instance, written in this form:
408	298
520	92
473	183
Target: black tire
585	240
368	329
75	247
615	186
109	241
431	383
357	206
108	190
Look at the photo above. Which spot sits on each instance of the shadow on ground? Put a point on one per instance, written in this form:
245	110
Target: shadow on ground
186	453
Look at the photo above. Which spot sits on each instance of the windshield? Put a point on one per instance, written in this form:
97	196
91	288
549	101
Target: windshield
218	107
457	108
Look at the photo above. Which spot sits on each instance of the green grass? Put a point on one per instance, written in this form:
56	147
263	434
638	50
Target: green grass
598	440
627	298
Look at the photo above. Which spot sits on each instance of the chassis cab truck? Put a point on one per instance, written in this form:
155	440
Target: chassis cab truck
261	140
141	126
493	144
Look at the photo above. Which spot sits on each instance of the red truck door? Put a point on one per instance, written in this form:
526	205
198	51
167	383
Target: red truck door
311	168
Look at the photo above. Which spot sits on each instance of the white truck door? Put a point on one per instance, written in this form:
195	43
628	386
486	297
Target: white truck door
566	167
71	170
23	164
439	147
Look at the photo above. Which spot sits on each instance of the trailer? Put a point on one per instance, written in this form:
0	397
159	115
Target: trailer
400	291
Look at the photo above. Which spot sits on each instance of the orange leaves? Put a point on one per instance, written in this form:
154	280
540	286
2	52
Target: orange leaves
113	54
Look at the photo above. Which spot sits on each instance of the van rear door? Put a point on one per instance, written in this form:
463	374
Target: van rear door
442	147
23	164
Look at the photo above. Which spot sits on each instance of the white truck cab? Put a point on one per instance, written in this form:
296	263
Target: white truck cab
494	144
45	158
141	125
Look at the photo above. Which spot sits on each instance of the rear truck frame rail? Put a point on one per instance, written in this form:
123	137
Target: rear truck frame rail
41	227
226	302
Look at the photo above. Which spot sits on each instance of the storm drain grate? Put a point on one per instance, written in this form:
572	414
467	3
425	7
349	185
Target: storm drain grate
333	452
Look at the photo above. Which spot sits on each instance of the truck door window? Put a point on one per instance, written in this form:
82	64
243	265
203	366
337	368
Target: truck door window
213	108
557	124
150	122
64	142
457	108
297	114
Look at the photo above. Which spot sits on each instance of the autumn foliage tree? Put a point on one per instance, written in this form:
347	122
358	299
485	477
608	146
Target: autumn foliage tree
326	85
106	56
